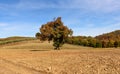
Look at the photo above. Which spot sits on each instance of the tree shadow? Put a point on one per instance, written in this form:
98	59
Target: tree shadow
38	50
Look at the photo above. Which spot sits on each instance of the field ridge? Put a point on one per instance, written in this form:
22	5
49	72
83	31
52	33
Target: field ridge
21	68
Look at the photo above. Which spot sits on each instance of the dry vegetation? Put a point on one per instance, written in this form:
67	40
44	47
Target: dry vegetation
14	39
33	57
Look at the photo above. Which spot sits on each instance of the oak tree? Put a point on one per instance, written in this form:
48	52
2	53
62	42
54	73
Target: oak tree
55	31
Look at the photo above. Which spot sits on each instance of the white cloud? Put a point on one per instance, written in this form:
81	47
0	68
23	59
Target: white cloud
96	6
91	5
5	6
117	18
87	5
18	29
94	31
3	24
103	5
116	25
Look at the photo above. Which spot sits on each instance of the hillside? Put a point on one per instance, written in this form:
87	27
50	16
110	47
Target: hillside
111	39
115	36
14	39
107	40
33	57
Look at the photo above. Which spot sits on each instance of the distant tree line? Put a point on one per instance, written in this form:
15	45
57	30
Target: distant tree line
57	32
102	41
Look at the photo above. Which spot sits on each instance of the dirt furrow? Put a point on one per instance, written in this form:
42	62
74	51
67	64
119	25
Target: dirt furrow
16	68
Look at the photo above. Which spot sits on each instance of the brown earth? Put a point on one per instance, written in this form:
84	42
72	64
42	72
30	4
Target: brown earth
32	57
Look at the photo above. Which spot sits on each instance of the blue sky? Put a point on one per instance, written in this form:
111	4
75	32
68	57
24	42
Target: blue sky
84	17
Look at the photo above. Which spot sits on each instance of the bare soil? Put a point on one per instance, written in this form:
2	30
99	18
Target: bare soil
33	57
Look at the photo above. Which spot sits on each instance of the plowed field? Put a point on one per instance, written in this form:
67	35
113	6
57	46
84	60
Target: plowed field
33	57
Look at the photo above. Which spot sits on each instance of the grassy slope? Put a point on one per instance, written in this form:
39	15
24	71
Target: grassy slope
14	39
37	45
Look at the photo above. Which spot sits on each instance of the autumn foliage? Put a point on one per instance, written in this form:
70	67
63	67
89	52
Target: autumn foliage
58	33
54	31
107	40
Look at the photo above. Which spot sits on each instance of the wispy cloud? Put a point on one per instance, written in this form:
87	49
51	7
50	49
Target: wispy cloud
91	5
94	31
85	17
106	6
3	24
18	29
